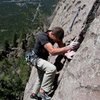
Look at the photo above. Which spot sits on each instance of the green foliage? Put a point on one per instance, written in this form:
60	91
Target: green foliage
11	87
14	40
22	35
13	79
15	22
6	45
49	6
30	43
15	18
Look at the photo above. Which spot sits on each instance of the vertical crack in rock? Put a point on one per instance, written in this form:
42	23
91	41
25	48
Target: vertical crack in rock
75	18
91	16
89	20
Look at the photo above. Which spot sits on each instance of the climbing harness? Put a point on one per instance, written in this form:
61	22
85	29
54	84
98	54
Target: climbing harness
31	58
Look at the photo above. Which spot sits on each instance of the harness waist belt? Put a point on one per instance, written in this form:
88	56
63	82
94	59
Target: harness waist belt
31	56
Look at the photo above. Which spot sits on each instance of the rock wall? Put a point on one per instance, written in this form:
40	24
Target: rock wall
80	78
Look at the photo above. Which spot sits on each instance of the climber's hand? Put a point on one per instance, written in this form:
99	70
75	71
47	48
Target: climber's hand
70	54
74	45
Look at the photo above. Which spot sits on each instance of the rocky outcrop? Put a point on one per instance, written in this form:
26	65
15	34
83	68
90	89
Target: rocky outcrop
80	78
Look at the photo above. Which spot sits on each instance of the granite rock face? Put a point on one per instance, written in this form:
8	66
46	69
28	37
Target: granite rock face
80	78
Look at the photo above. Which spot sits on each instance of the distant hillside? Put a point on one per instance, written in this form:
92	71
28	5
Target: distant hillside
19	23
16	17
28	0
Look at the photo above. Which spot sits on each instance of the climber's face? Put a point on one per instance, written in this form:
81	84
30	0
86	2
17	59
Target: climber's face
55	39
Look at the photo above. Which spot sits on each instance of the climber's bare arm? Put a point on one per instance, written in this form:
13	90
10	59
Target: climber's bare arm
55	51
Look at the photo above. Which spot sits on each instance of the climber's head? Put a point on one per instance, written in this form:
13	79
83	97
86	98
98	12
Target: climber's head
57	34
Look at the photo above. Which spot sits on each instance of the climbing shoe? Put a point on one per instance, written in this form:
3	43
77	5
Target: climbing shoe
44	96
35	97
